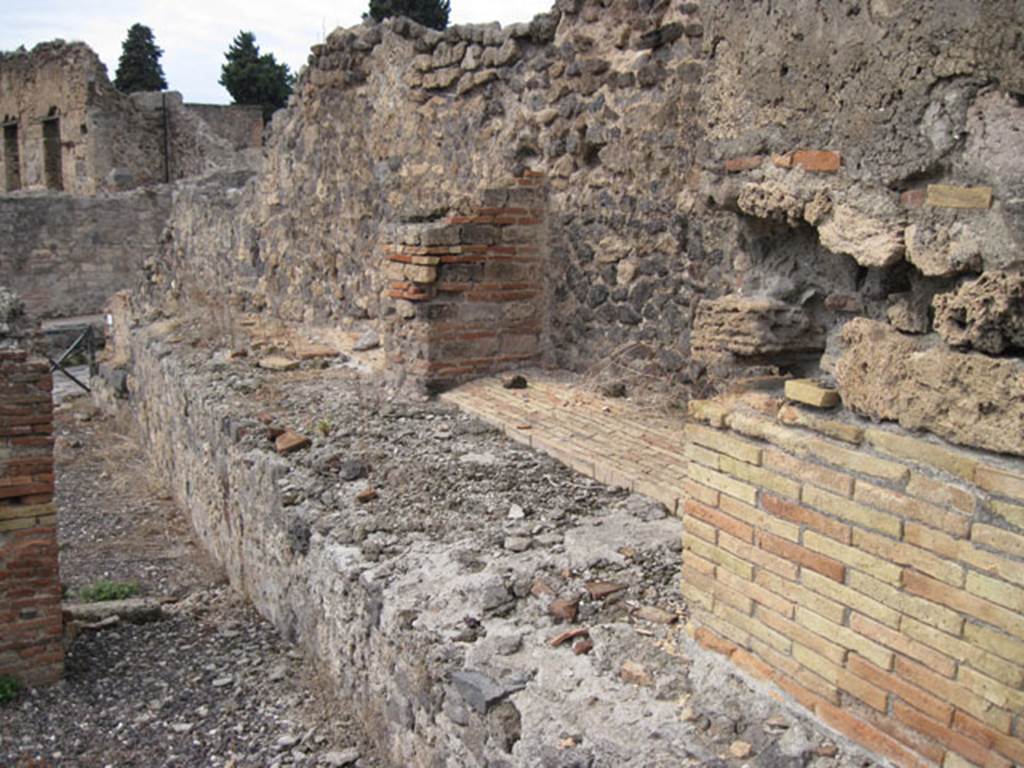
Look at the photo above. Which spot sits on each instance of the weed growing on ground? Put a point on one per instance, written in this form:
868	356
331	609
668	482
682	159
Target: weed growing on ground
9	689
105	589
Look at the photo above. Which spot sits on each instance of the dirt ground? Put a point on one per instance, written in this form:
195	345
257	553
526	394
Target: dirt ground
212	684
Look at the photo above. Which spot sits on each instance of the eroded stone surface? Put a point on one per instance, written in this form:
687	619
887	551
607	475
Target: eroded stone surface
747	326
968	398
940	245
872	240
986	314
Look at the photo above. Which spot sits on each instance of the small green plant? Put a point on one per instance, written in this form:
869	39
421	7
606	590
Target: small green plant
324	427
9	689
105	589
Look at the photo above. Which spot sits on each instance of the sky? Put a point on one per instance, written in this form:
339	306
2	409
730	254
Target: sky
194	35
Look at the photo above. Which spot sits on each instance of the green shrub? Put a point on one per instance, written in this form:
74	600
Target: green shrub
9	689
105	589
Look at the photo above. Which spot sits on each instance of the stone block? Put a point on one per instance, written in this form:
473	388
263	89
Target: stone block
748	326
872	238
986	314
968	398
418	273
817	160
810	392
947	196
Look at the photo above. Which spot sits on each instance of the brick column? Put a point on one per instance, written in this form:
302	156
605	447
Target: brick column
30	600
468	292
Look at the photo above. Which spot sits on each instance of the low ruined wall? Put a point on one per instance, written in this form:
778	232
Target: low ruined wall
380	594
67	255
875	576
31	649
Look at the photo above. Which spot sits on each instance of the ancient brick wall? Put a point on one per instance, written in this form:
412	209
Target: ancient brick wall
470	291
30	594
876	577
65	255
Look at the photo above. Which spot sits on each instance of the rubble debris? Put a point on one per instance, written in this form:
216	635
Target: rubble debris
635	673
370	339
564	609
599	590
366	495
290	441
569	634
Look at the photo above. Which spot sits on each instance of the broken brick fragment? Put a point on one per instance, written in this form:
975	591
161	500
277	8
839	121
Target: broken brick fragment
290	441
599	590
569	634
564	609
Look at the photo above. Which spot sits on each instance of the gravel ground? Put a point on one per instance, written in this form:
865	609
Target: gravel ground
210	685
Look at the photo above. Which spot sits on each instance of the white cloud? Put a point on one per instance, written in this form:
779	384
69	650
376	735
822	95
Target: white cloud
195	35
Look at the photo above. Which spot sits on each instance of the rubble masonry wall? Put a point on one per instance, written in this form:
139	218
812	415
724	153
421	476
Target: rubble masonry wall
875	576
241	125
675	139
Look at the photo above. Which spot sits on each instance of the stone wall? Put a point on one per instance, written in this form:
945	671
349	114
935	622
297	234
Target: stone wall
241	125
875	576
65	255
31	628
98	128
691	155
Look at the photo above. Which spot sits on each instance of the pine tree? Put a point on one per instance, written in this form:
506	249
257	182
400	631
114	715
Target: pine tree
254	79
429	13
139	66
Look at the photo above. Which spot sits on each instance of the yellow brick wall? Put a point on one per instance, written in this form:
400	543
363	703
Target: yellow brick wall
875	576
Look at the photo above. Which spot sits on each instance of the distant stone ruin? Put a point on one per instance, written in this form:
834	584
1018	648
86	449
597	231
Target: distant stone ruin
707	200
67	129
82	201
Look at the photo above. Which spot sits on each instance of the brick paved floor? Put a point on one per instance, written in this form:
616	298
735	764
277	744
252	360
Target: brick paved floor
612	440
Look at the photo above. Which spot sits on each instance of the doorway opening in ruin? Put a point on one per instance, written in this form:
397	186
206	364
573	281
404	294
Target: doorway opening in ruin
52	164
12	167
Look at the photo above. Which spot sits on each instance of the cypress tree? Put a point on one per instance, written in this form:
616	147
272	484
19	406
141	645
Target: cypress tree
252	78
429	13
139	66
